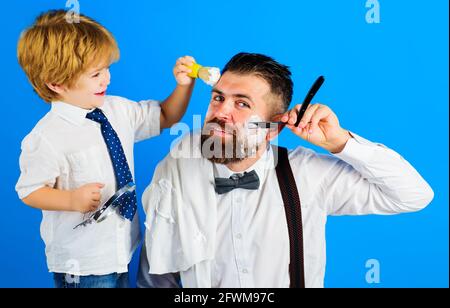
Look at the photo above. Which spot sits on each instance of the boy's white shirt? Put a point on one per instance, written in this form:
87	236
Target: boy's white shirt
65	151
183	210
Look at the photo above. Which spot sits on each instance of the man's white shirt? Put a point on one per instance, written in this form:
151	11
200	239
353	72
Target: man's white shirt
250	245
65	151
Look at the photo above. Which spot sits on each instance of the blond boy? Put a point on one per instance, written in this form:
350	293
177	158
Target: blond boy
81	152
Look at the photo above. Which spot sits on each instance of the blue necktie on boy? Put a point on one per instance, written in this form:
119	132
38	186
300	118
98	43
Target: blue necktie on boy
128	202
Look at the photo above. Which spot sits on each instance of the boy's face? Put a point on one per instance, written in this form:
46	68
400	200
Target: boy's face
90	89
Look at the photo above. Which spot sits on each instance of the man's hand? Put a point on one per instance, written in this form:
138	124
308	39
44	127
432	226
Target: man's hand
319	125
181	70
86	198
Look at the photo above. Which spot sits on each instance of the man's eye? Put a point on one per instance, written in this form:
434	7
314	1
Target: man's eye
243	105
218	98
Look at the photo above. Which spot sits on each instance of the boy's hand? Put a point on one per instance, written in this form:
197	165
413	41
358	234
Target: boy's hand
86	198
181	71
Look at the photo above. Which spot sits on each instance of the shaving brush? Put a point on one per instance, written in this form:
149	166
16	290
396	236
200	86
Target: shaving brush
210	75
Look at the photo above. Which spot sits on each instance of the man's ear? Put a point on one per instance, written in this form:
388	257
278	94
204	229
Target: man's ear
274	132
58	89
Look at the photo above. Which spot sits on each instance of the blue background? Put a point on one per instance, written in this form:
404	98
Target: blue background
387	82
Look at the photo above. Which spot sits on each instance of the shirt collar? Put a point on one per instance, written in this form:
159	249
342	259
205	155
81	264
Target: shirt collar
261	166
70	112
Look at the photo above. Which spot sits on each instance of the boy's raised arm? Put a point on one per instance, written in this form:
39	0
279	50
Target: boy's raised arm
174	107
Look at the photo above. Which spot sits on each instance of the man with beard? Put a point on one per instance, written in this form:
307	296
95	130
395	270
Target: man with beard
223	208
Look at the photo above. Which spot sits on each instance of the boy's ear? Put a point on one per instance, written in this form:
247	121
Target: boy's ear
56	88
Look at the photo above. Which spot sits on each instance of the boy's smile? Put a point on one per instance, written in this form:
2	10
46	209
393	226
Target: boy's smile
89	91
101	93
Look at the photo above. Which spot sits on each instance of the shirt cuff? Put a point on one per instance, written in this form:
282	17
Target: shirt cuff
155	118
24	192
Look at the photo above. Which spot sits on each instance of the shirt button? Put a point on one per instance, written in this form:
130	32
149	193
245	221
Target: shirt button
238	200
245	271
238	236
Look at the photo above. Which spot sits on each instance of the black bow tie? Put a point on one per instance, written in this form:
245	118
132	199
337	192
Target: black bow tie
248	180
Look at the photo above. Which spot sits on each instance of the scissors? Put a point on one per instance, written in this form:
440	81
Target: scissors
109	207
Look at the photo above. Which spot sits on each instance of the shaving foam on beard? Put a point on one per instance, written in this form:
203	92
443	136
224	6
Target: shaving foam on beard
254	136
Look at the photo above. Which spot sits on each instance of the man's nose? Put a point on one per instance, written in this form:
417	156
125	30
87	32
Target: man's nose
225	110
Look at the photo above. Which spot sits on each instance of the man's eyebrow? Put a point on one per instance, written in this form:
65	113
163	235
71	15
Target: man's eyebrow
234	95
217	91
243	96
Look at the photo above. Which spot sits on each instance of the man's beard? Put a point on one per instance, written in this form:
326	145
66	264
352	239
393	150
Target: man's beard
218	150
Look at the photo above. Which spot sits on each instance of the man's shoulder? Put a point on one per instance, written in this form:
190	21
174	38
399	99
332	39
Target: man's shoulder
301	155
300	152
185	154
186	147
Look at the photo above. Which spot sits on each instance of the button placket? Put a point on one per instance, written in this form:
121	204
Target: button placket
238	237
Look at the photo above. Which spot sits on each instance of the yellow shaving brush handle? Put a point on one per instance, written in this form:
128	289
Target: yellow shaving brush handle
195	68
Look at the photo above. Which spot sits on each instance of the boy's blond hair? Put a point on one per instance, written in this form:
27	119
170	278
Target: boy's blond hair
55	51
